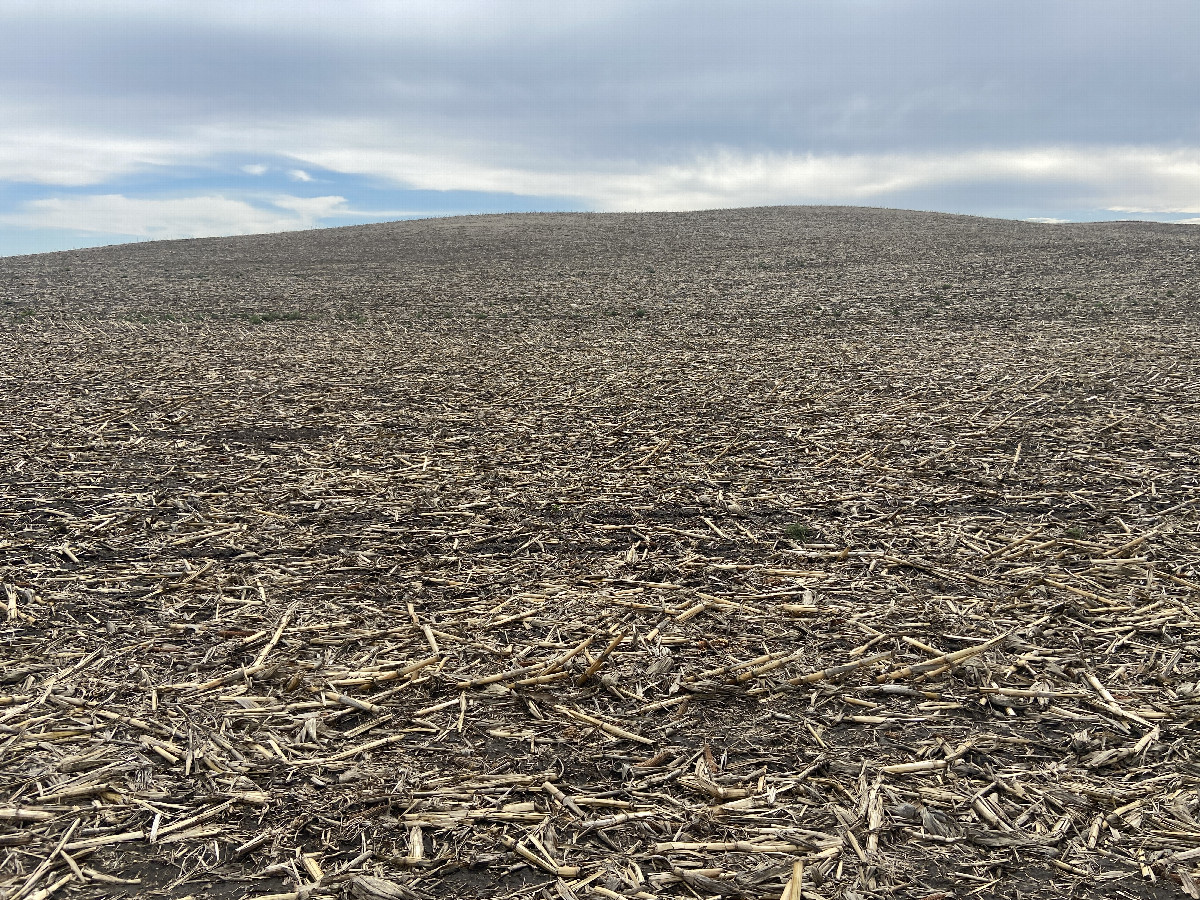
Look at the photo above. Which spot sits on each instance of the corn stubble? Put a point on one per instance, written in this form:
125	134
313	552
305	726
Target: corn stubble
774	553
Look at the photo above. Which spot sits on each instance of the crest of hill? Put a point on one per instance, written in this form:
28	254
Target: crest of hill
756	260
451	238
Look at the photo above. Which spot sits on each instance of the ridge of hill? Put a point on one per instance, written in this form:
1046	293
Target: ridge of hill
758	260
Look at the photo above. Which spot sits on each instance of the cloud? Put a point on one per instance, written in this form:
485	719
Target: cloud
255	169
314	208
299	175
1047	220
604	82
184	217
69	156
1149	179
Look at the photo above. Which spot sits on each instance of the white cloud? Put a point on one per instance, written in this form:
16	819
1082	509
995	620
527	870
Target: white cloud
1047	220
313	208
1146	178
185	217
46	155
1143	179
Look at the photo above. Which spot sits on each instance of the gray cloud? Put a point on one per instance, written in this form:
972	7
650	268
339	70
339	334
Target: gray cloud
647	81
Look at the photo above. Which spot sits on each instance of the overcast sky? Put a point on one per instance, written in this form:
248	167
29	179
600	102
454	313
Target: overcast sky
132	120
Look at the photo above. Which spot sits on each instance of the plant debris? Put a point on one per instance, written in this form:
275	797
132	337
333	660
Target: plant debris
785	553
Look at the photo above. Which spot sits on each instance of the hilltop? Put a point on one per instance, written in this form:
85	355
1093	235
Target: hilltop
744	262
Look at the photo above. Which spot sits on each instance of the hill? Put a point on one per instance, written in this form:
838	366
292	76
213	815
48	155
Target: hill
666	554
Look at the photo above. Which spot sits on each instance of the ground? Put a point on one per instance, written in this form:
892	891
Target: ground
604	555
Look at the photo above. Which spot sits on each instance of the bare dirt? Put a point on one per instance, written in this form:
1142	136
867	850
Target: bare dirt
782	552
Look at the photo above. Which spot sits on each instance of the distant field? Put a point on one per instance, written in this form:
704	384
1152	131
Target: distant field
662	555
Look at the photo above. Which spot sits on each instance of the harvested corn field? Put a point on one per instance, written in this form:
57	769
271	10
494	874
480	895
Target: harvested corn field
780	553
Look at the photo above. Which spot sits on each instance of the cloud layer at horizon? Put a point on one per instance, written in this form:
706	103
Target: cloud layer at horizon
136	119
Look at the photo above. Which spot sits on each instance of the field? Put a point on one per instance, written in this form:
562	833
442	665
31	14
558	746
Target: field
796	552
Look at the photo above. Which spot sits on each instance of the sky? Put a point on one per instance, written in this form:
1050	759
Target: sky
129	120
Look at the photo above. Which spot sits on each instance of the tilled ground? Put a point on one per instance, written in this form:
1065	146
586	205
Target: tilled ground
847	553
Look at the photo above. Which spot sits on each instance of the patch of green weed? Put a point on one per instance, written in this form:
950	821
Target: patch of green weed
798	531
